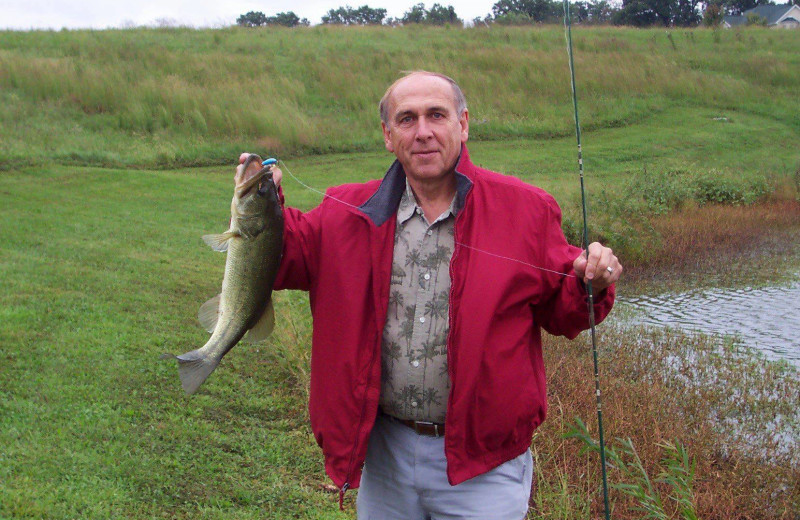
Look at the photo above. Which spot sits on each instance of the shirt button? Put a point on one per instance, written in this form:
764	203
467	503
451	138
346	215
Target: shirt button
414	404
415	363
430	232
427	276
419	211
422	319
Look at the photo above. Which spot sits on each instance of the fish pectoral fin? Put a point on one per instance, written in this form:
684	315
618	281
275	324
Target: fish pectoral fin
209	313
219	242
193	370
263	327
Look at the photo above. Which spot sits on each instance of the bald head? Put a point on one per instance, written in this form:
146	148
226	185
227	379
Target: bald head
385	106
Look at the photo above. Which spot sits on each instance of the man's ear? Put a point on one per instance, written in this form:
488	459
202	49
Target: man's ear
387	138
464	122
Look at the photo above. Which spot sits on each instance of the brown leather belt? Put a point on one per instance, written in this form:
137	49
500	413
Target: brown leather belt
422	427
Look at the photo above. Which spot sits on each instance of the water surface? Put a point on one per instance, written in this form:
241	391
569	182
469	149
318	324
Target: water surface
766	318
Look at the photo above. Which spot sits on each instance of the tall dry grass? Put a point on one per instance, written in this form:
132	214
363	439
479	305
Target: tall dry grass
718	236
184	97
731	411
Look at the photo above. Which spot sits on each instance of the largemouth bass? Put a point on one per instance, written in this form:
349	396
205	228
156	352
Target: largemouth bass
244	307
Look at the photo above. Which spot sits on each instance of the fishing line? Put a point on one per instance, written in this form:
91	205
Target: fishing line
590	299
293	176
301	183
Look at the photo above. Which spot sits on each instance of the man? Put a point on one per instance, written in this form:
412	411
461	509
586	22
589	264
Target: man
428	290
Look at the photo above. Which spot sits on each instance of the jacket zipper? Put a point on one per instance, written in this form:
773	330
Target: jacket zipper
350	471
342	491
450	313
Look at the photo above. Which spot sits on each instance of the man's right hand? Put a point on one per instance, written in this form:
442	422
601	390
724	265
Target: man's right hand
254	167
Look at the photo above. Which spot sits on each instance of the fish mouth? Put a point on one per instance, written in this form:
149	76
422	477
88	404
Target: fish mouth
248	183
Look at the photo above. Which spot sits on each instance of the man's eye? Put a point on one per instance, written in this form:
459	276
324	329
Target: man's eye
406	119
438	115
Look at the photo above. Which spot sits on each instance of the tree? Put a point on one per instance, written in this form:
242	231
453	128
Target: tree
440	15
713	15
416	14
644	13
252	19
486	20
687	14
535	10
347	15
288	19
368	16
592	12
437	15
737	7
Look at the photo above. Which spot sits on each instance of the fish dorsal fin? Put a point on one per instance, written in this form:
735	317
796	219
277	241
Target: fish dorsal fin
208	313
219	242
263	327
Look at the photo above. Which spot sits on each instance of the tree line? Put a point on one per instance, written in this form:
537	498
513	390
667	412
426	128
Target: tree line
364	15
638	13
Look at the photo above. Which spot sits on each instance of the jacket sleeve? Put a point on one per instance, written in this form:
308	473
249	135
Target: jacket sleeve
300	248
566	311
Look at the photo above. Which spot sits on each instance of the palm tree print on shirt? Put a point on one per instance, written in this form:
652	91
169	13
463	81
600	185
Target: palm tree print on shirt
414	351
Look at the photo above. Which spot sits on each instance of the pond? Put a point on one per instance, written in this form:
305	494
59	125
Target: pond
766	318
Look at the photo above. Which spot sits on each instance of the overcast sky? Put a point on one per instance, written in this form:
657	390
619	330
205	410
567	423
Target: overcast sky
102	14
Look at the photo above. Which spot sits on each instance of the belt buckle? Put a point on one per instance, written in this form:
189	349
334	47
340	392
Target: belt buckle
427	423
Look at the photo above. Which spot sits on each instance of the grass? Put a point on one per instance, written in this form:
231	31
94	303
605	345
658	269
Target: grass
103	268
107	274
181	97
92	426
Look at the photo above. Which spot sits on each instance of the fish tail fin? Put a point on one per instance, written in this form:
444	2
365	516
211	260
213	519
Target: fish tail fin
193	370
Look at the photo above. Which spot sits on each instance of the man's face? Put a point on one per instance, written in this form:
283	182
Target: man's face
425	131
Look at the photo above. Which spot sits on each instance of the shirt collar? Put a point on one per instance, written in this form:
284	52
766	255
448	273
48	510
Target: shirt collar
408	205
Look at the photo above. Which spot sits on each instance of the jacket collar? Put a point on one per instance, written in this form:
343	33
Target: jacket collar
384	202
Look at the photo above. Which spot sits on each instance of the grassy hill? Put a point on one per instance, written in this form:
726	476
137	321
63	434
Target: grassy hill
179	97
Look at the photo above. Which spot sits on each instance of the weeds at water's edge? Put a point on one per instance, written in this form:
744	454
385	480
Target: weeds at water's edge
669	218
718	410
678	473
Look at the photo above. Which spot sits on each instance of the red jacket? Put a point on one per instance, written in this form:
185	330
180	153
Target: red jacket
341	252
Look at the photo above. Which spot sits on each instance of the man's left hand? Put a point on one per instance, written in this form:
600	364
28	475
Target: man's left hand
602	267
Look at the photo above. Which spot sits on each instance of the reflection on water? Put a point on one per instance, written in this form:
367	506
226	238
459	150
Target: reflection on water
766	318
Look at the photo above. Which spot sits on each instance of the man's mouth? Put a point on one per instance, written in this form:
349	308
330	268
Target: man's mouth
426	153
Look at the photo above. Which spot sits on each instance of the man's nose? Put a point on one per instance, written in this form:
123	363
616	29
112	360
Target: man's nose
423	129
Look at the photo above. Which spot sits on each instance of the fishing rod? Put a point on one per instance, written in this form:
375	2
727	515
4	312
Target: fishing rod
590	299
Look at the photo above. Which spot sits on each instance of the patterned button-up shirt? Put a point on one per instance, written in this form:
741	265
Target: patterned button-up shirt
415	382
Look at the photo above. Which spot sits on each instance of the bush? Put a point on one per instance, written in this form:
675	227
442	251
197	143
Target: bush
713	15
661	191
756	20
711	188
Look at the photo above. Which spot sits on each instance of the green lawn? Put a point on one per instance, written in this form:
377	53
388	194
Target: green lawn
103	270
